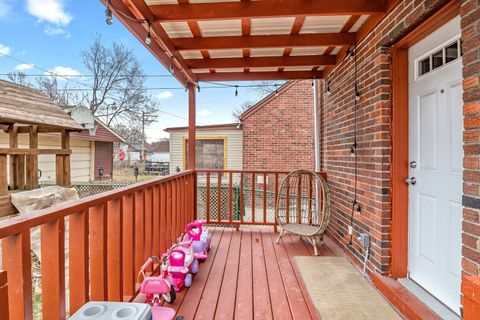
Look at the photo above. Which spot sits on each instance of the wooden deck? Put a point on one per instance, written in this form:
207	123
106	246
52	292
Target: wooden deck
248	276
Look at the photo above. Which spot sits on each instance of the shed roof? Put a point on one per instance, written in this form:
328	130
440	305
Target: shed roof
24	105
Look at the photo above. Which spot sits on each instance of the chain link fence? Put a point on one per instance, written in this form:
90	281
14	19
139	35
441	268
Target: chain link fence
89	188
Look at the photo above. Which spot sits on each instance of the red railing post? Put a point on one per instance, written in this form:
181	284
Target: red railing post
128	246
78	257
98	253
4	295
114	250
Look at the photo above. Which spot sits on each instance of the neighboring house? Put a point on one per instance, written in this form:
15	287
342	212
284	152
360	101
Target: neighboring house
218	146
134	152
278	131
160	151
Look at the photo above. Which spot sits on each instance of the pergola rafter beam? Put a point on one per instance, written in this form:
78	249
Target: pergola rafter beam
270	41
261	62
253	76
265	9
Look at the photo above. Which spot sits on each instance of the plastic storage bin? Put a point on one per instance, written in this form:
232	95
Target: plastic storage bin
101	310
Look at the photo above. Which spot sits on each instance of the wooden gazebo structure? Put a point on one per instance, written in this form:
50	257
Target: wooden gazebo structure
24	110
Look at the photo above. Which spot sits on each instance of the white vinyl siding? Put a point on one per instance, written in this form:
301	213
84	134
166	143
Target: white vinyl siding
234	141
81	159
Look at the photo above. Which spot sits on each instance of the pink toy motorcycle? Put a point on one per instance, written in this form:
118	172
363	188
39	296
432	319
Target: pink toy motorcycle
156	287
201	238
182	265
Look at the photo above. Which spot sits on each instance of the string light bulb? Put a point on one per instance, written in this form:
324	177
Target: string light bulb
313	81
357	93
171	68
353	149
198	86
108	14
236	91
148	37
328	91
276	91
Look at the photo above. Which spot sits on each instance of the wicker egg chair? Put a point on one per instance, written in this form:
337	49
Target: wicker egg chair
303	206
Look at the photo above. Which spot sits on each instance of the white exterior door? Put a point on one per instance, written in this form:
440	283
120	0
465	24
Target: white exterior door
436	155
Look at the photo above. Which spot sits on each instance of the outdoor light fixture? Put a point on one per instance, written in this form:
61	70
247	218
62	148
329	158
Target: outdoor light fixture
148	38
108	14
236	91
328	91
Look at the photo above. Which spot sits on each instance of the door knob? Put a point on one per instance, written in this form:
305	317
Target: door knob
411	181
413	164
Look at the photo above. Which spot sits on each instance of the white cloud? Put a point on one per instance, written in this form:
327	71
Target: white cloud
55	31
24	67
66	72
164	95
205	112
5	49
4	8
49	10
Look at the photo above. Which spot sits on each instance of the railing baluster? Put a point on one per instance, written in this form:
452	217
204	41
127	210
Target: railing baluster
219	200
242	207
114	250
98	253
299	200
16	260
287	201
163	218
4	295
156	220
139	229
148	209
208	197
174	211
168	229
78	260
53	269
275	199
264	198
128	247
230	197
253	197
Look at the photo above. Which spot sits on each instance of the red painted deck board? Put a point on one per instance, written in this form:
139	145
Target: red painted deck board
248	276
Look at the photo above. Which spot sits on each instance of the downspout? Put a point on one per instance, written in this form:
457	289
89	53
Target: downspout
316	125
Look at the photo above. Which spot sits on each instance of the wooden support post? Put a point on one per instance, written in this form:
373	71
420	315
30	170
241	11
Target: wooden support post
62	162
13	142
3	295
3	175
191	126
32	160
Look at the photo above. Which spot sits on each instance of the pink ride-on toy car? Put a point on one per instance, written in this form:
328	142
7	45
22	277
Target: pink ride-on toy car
201	238
182	265
157	287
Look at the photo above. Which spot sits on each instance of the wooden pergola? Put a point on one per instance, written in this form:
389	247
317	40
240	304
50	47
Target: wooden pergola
27	111
234	40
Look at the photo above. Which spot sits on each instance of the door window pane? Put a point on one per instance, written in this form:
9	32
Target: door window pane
424	66
451	52
437	59
209	154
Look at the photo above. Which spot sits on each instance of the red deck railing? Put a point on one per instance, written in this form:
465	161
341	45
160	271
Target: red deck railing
104	252
110	235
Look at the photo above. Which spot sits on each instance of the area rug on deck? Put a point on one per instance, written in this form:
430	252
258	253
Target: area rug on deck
339	291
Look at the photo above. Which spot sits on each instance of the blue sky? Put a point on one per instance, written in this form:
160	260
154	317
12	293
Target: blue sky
52	33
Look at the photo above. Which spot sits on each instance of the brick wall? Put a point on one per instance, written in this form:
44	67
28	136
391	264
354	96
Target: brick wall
280	134
470	22
373	134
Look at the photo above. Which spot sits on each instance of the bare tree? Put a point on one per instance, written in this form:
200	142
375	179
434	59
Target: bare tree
19	78
238	111
60	91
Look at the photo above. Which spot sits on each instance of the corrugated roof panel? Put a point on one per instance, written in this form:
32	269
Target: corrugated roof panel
336	50
266	52
226	53
200	70
154	2
191	54
220	28
263	69
266	26
323	24
298	68
177	29
229	70
359	23
307	51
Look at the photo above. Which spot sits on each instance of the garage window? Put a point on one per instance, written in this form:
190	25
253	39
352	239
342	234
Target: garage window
210	153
